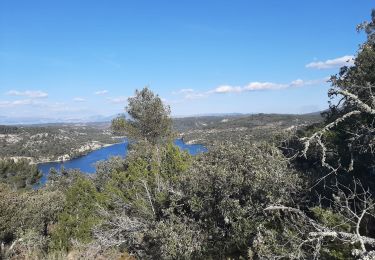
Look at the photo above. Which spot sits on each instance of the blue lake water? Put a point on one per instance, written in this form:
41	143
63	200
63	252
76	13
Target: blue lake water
87	162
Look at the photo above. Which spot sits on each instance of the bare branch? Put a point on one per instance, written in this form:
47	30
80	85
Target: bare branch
323	231
366	108
318	134
149	196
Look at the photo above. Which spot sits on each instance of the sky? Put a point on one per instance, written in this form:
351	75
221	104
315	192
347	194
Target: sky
76	59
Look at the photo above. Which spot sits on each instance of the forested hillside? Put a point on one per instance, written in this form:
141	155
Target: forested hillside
52	142
211	129
284	187
40	143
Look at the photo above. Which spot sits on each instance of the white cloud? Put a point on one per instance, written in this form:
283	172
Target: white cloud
256	86
298	83
227	89
252	86
20	102
196	95
79	99
263	86
28	93
101	92
5	103
183	91
61	108
189	93
186	90
347	60
117	100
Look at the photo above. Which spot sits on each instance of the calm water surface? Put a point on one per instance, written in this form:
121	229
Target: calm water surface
87	162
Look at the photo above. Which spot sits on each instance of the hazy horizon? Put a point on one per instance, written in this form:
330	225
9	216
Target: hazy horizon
4	120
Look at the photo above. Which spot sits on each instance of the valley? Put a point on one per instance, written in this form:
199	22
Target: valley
62	142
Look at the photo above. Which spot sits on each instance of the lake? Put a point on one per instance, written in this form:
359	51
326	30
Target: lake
86	163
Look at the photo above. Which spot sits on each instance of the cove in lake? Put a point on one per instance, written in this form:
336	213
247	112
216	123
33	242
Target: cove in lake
86	163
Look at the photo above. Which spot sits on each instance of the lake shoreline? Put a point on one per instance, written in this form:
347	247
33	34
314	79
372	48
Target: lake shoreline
34	161
86	163
75	157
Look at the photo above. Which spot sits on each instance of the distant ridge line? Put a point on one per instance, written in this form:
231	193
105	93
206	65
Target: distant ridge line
106	119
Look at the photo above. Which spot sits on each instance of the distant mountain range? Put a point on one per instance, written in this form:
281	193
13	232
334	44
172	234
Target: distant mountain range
211	114
4	120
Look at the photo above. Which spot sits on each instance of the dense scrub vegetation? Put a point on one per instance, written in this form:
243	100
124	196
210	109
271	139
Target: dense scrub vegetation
305	194
19	174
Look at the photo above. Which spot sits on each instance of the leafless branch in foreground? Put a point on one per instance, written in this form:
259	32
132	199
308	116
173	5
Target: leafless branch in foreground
317	137
353	205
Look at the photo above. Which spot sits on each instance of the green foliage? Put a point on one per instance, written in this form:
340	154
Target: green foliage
78	216
63	179
129	184
331	219
176	207
31	210
104	170
225	191
146	176
284	235
30	245
353	138
173	162
338	251
176	238
19	174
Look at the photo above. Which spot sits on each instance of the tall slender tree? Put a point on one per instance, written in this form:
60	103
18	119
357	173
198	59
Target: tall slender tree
148	118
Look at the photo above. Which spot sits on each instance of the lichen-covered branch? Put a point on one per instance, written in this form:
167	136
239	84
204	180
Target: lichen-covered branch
352	205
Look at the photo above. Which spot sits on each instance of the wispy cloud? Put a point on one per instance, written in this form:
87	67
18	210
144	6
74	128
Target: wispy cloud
196	95
189	93
252	86
117	100
79	99
101	92
183	91
20	102
61	107
347	60
28	93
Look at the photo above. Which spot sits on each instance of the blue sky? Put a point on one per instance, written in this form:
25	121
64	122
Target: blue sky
71	59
